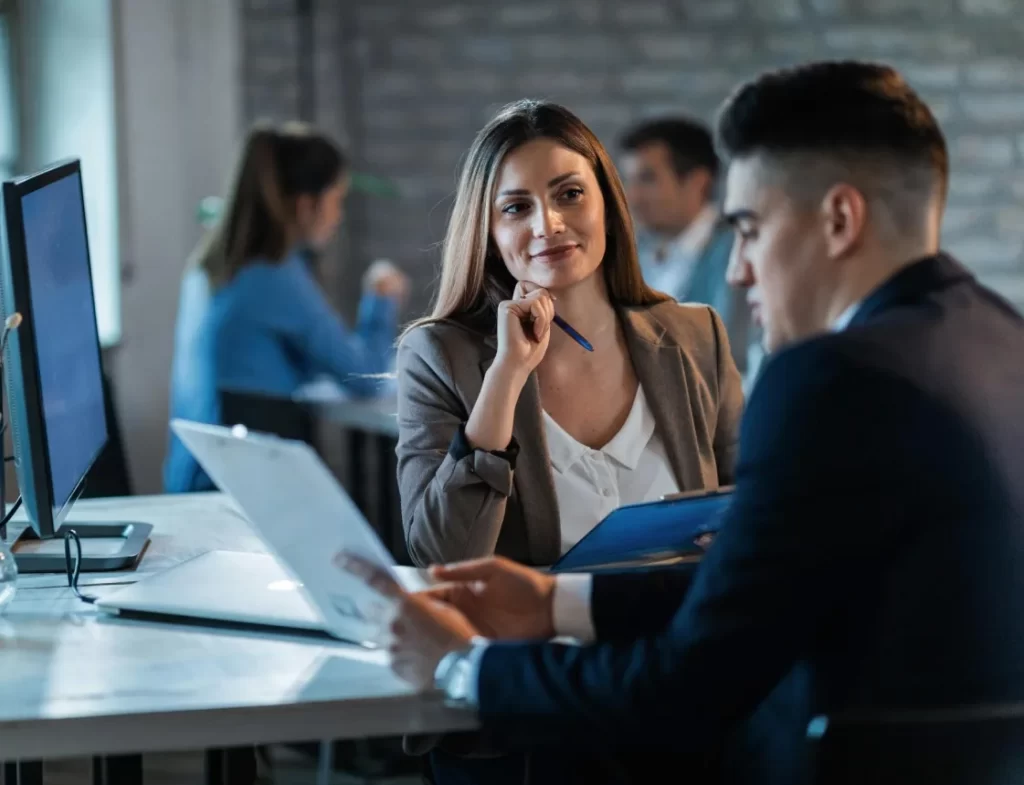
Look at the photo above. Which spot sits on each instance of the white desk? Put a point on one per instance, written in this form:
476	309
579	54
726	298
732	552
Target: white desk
74	682
377	416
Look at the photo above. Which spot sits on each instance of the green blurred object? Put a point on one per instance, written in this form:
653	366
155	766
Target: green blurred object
210	207
375	186
209	210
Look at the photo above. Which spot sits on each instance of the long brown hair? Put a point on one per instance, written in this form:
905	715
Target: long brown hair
474	278
277	165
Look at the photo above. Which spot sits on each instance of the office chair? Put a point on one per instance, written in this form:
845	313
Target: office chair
981	745
267	414
109	475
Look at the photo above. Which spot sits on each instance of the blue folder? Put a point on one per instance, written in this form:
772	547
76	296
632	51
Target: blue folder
666	531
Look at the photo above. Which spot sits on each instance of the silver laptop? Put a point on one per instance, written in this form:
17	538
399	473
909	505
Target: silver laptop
247	588
305	518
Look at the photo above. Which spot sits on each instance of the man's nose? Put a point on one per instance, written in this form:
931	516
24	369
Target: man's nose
739	273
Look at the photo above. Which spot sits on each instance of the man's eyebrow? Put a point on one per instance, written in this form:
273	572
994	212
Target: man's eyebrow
733	217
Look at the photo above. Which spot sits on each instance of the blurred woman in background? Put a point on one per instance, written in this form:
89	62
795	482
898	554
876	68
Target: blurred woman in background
251	316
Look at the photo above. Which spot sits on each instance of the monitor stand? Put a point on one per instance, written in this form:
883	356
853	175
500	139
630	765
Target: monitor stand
105	547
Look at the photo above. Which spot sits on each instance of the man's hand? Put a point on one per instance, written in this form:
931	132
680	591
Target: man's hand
502	599
423	629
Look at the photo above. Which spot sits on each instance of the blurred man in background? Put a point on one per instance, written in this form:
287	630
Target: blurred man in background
670	169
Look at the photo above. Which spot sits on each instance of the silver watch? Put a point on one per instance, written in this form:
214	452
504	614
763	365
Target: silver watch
452	677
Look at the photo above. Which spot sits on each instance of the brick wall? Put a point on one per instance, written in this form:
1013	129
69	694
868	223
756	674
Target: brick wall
407	83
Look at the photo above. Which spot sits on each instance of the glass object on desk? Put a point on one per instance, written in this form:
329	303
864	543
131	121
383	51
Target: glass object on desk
8	575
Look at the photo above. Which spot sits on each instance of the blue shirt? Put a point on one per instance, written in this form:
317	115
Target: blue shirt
270	330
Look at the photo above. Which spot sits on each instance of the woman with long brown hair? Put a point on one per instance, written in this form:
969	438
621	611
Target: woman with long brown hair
252	317
513	437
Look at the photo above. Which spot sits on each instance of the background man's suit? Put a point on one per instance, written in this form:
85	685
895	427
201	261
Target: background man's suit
704	282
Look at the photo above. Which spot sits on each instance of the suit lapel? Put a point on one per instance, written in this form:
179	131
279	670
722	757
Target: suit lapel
533	472
698	289
708	278
535	487
663	370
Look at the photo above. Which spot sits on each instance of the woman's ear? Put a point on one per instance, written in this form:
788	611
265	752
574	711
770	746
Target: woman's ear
305	211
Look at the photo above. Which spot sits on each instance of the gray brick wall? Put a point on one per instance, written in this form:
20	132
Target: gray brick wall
407	83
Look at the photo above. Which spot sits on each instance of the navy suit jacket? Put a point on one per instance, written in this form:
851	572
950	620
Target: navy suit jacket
873	555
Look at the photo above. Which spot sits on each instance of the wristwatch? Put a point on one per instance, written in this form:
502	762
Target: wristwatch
453	677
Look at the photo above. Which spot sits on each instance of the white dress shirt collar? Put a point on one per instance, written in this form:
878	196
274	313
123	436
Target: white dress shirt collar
629	443
563	450
844	319
695	237
668	264
632	467
625	448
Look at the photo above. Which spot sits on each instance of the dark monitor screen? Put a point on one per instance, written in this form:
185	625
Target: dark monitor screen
63	316
52	365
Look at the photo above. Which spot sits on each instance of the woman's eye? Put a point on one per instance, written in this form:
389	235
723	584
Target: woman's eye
514	208
572	194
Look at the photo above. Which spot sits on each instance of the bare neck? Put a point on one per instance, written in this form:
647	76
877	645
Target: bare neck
587	307
868	273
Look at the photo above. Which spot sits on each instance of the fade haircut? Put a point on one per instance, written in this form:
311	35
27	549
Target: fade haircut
822	123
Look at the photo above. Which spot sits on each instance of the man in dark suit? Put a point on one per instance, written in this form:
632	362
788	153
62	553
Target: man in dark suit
873	556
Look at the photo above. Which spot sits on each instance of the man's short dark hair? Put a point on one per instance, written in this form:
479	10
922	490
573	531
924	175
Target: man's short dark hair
688	141
849	111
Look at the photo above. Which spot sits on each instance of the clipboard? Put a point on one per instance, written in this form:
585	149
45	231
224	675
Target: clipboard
673	530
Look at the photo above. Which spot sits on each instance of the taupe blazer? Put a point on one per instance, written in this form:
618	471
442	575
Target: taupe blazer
478	505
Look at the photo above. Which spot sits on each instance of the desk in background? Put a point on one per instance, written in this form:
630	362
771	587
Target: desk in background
74	682
370	427
363	460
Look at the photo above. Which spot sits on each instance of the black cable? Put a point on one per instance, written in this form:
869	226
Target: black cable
6	519
10	513
72	568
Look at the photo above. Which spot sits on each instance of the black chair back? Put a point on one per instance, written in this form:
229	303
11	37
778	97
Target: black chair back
970	746
267	414
109	475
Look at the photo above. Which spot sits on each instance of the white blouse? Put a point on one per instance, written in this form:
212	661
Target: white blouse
589	484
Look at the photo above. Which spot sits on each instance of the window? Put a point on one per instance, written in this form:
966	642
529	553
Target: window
8	124
66	104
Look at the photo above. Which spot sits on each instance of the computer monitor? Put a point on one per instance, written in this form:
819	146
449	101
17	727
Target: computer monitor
53	369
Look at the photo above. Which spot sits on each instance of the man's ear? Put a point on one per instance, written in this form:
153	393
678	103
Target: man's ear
701	180
844	213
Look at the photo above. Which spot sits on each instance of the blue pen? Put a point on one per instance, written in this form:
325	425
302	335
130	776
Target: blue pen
572	333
